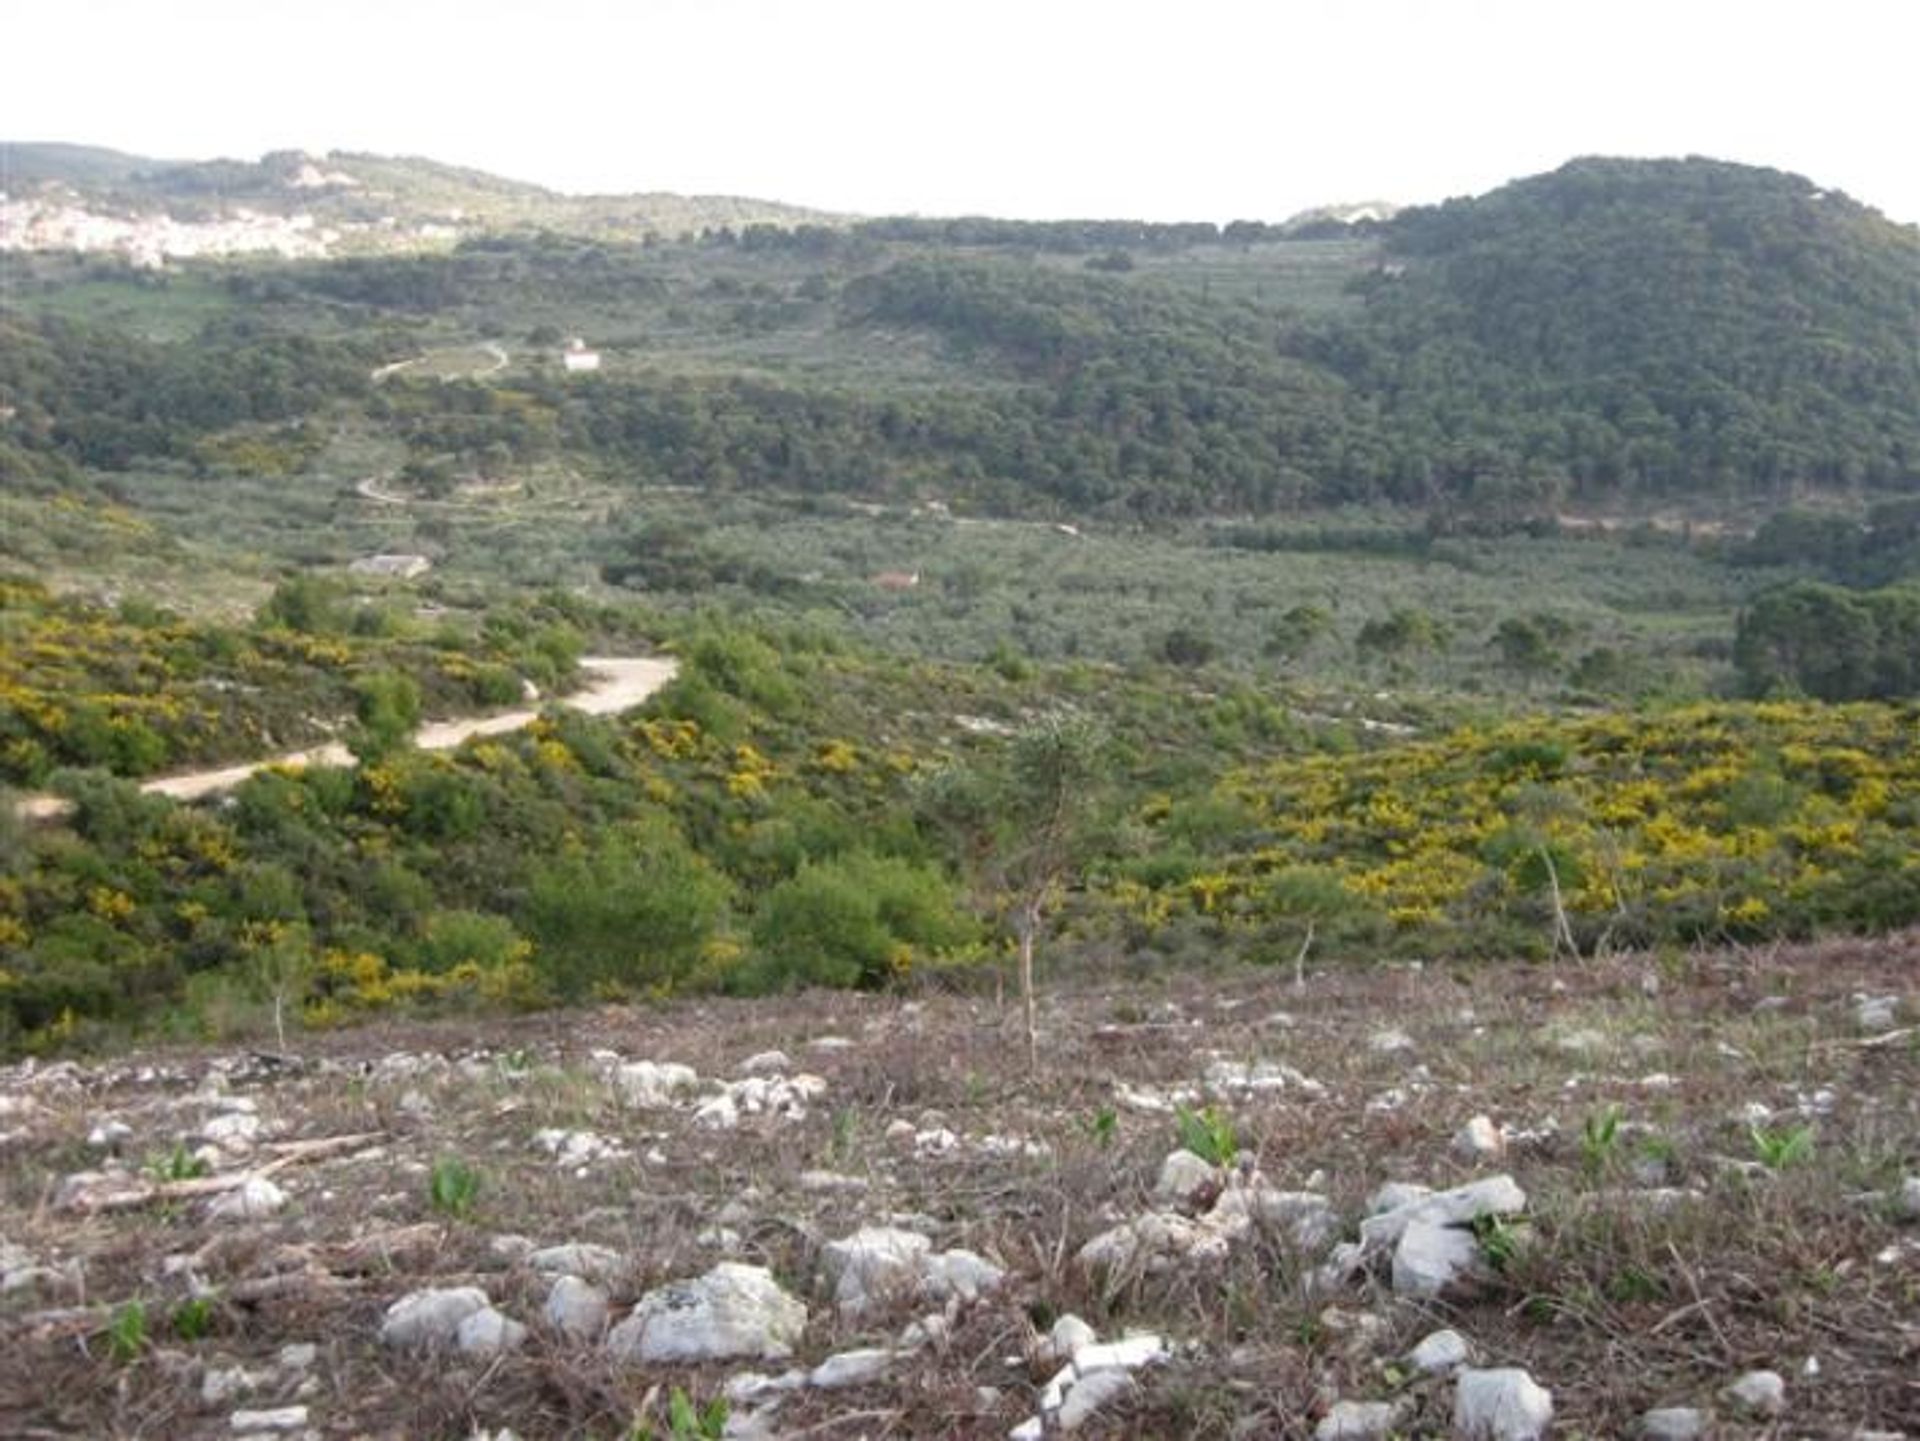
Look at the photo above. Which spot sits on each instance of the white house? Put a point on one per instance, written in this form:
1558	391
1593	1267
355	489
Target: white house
577	357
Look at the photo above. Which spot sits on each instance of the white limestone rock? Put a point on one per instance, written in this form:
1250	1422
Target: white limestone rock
1673	1423
1431	1260
488	1332
254	1199
577	1309
577	1258
873	1265
1500	1405
851	1368
1480	1140
1358	1421
430	1317
1461	1206
263	1423
1184	1179
1757	1393
1439	1354
653	1085
733	1311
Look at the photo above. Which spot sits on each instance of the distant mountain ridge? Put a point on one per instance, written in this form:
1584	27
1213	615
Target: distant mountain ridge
62	196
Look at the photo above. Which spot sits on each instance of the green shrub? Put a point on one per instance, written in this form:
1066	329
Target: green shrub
853	920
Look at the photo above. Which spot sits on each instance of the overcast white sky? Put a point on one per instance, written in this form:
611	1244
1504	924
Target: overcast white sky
1184	109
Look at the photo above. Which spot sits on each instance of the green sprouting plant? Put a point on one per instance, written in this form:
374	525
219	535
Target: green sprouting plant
453	1186
1208	1134
127	1331
193	1318
1104	1125
1600	1139
686	1421
1779	1149
1499	1240
844	1124
179	1164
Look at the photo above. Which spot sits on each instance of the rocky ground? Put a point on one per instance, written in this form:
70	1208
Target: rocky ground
1670	1198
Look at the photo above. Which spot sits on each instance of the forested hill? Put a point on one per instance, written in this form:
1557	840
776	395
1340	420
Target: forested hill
1616	331
1674	326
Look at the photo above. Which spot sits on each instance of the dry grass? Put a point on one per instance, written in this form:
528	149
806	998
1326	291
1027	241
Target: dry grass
1614	1303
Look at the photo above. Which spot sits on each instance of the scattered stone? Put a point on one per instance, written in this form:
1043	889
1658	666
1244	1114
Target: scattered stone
1069	1335
1673	1423
107	1135
850	1368
1461	1206
576	1309
1480	1140
1906	1201
254	1199
1152	1243
1358	1421
1307	1216
510	1248
297	1356
766	1063
221	1384
1390	1040
254	1423
1500	1405
488	1332
1229	1078
232	1131
1876	1013
577	1258
430	1317
1431	1260
572	1150
1097	1375
830	1044
959	1276
872	1265
1439	1354
1184	1179
653	1085
732	1311
782	1097
1758	1393
825	1182
1089	1394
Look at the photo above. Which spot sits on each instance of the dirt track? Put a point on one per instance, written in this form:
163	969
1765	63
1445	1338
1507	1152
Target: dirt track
618	683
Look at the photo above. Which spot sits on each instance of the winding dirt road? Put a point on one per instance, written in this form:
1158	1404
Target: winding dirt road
616	683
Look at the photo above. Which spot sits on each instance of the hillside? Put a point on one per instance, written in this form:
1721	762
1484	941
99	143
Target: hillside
338	203
1615	333
1669	327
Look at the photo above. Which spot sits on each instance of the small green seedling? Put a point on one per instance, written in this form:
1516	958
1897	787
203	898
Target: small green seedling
1600	1139
179	1164
1778	1150
193	1318
127	1331
687	1422
1208	1134
1104	1126
453	1186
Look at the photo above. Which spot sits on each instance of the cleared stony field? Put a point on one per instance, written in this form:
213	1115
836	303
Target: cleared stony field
1711	1165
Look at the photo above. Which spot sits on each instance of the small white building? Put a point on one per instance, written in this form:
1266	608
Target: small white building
392	567
576	357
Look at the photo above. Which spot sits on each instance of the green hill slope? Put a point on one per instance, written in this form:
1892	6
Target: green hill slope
1680	327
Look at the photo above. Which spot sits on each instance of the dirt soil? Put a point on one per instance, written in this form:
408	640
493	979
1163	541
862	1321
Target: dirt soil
1712	1148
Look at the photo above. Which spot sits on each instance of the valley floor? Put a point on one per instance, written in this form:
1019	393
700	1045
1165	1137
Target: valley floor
1715	1150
